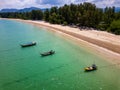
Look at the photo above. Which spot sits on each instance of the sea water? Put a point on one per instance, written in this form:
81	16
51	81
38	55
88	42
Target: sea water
24	68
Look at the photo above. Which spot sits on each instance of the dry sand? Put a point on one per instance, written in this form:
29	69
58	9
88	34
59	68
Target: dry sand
102	43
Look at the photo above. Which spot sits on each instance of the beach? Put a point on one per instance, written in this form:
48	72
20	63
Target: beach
102	43
25	68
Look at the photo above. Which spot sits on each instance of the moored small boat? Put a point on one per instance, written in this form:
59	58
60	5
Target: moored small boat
47	53
28	44
91	68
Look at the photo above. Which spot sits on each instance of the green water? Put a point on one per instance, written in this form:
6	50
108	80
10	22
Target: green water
25	69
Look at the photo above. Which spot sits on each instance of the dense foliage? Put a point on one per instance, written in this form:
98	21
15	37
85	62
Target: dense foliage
81	15
33	15
115	27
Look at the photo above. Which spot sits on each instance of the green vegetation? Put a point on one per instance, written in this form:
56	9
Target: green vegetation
33	15
81	15
115	27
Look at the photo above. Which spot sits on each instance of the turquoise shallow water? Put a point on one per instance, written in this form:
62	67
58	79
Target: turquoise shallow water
25	69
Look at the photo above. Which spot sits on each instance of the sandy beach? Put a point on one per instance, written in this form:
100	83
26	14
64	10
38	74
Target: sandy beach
102	43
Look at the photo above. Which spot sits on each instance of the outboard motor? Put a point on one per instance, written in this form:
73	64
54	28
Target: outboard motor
94	66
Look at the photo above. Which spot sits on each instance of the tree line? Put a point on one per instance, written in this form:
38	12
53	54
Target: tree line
81	15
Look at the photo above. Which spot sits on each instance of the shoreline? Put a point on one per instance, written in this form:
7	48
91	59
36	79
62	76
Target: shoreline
100	42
